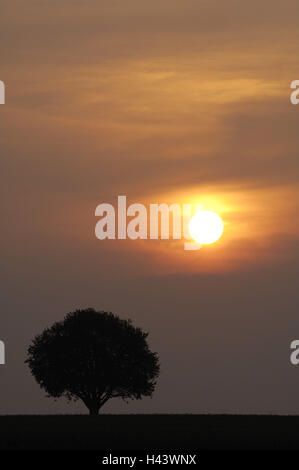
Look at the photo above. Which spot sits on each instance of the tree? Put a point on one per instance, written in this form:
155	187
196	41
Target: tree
93	356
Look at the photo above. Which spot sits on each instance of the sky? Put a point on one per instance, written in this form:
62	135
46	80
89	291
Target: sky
163	102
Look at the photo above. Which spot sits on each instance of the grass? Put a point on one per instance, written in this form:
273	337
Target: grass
149	432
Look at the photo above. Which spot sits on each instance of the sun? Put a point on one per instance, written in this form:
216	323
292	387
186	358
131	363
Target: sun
206	227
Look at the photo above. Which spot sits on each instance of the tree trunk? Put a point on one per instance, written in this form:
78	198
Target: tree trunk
94	410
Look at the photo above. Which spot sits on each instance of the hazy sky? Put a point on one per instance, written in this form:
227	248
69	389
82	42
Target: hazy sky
163	101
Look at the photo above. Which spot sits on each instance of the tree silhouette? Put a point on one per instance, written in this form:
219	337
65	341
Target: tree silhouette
93	356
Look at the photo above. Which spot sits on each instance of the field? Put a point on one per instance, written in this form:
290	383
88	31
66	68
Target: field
149	432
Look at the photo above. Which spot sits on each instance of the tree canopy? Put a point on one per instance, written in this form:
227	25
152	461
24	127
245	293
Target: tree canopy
93	356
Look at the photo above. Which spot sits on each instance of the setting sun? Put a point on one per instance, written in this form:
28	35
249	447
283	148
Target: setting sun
206	227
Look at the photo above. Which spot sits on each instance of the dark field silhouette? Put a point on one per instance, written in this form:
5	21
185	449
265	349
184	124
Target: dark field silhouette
201	432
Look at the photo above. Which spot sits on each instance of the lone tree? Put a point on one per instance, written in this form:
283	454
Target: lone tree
93	356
